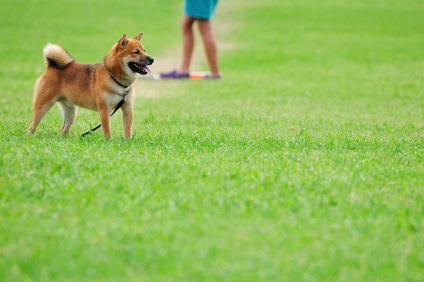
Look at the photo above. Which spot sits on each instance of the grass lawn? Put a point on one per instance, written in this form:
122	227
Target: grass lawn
304	163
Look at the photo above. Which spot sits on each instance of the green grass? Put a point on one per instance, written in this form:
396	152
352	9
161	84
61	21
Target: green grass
305	163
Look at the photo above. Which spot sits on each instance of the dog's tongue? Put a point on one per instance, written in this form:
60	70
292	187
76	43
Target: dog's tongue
146	69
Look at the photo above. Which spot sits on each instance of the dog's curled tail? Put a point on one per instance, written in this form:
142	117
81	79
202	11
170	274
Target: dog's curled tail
57	57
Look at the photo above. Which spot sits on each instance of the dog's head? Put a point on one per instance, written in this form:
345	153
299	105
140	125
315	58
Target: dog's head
133	55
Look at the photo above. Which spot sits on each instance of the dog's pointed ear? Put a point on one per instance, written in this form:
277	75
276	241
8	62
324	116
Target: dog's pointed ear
139	36
123	41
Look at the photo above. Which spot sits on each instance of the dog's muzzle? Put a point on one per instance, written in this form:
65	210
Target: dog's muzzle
141	66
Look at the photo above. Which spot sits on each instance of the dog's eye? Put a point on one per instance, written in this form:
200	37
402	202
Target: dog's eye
137	51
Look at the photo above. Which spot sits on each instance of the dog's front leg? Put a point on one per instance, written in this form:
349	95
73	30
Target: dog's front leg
105	119
127	120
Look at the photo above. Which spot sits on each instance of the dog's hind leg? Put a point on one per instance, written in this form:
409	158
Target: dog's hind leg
42	104
69	113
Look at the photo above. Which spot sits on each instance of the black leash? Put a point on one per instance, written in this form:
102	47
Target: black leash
124	97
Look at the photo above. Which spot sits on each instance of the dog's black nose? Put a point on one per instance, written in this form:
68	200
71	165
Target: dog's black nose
150	60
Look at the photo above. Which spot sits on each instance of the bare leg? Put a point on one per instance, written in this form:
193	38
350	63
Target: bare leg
188	42
209	43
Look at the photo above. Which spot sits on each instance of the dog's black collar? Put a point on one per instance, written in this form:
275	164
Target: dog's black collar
117	82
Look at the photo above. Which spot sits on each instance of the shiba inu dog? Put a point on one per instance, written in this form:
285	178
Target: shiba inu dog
98	87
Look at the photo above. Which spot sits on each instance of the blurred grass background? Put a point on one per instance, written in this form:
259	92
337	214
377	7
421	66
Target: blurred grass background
304	163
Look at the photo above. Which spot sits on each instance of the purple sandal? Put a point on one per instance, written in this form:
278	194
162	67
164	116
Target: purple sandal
174	75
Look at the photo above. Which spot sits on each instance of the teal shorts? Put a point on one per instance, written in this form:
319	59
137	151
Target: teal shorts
202	9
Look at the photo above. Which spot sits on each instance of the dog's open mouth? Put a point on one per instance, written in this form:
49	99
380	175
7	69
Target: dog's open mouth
139	68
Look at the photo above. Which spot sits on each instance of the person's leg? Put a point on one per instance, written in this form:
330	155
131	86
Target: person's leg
209	43
188	42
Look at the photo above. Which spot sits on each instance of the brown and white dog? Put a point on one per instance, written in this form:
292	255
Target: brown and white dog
98	87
